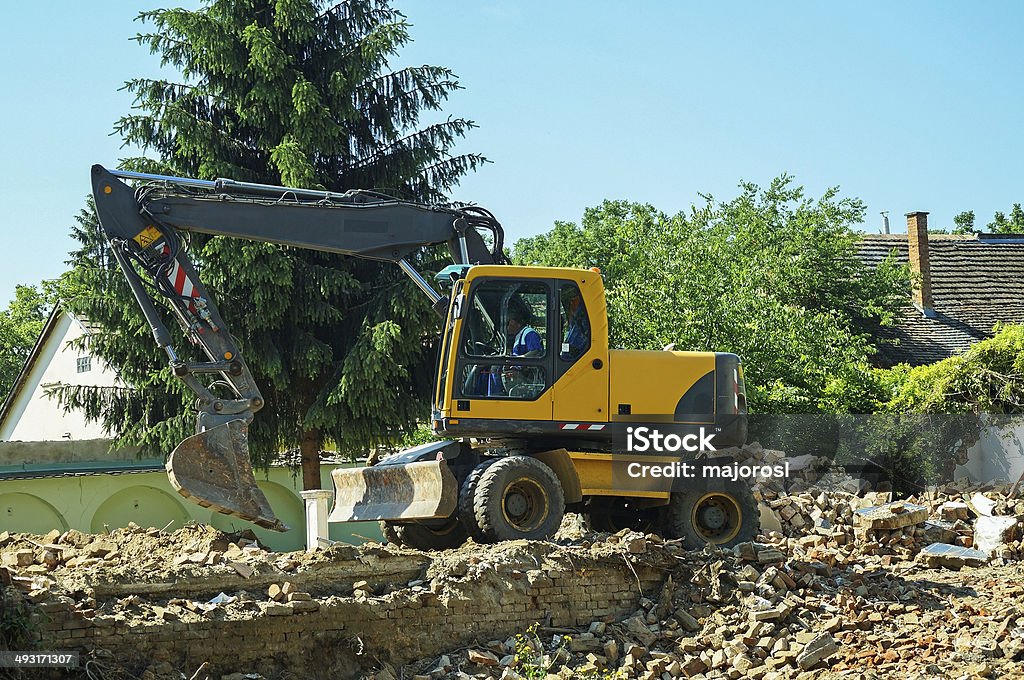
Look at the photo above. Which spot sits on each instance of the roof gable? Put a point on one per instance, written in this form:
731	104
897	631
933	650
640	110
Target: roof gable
28	413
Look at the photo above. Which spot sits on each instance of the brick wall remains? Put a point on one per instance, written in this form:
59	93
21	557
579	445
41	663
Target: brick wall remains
365	607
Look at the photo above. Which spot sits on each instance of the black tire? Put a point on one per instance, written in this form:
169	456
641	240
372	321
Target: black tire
440	534
722	512
518	497
390	533
610	514
466	495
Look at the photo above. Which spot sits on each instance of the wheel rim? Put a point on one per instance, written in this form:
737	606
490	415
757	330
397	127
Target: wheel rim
716	517
524	504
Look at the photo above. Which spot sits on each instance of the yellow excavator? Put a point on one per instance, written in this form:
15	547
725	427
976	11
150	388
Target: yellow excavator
534	412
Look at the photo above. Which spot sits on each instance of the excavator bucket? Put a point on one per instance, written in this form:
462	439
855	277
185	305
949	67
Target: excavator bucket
212	469
407	491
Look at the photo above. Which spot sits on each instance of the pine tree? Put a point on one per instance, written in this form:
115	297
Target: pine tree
297	93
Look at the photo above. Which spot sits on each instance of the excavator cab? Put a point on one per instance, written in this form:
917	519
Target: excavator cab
523	347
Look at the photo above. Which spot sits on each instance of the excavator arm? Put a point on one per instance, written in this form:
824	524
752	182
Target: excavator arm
143	225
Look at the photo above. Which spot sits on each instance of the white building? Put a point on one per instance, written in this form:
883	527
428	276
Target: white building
29	413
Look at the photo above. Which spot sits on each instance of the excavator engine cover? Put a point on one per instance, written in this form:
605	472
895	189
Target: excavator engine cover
212	469
403	491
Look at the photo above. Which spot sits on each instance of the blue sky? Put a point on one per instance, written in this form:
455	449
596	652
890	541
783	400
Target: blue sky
908	106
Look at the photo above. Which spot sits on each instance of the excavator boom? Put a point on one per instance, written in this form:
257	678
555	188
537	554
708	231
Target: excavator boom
142	225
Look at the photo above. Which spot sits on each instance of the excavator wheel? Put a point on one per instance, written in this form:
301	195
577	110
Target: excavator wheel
518	497
722	512
466	500
610	515
439	534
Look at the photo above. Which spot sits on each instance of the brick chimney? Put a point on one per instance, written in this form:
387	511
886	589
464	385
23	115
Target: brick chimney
917	242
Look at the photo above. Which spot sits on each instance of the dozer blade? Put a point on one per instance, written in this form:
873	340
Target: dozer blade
422	490
212	469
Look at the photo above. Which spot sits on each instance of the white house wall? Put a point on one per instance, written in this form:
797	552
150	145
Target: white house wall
36	417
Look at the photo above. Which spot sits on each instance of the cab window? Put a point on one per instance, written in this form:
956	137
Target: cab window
574	325
505	340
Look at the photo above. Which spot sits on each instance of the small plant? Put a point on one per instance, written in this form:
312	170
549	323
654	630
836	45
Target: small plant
530	661
17	631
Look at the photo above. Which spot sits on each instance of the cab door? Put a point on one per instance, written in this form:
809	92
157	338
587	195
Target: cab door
580	392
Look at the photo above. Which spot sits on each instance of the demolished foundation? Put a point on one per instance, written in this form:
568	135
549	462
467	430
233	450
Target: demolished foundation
847	583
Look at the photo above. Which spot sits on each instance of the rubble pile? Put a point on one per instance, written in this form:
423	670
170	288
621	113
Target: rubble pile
844	582
134	554
759	611
825	509
96	577
768	610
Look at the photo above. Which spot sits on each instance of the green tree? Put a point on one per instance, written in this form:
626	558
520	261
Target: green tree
769	275
1014	224
299	93
986	378
964	223
20	325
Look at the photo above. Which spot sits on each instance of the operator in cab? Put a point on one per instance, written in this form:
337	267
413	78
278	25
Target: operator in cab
523	341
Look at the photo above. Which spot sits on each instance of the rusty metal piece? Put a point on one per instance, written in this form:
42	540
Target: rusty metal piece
212	469
423	490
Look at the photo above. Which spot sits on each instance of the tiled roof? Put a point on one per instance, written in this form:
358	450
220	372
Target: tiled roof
977	281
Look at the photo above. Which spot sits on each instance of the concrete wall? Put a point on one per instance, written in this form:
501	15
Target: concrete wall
999	454
93	503
29	453
37	417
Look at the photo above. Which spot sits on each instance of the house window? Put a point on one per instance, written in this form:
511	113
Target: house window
84	364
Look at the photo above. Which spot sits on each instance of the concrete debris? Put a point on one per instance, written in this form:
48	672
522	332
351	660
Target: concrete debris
276	609
892	515
482	657
981	504
242	568
821	647
993	535
951	511
952	556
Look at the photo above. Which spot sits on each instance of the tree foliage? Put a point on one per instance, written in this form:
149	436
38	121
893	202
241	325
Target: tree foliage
770	275
20	326
1001	222
964	222
987	378
1008	224
304	94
